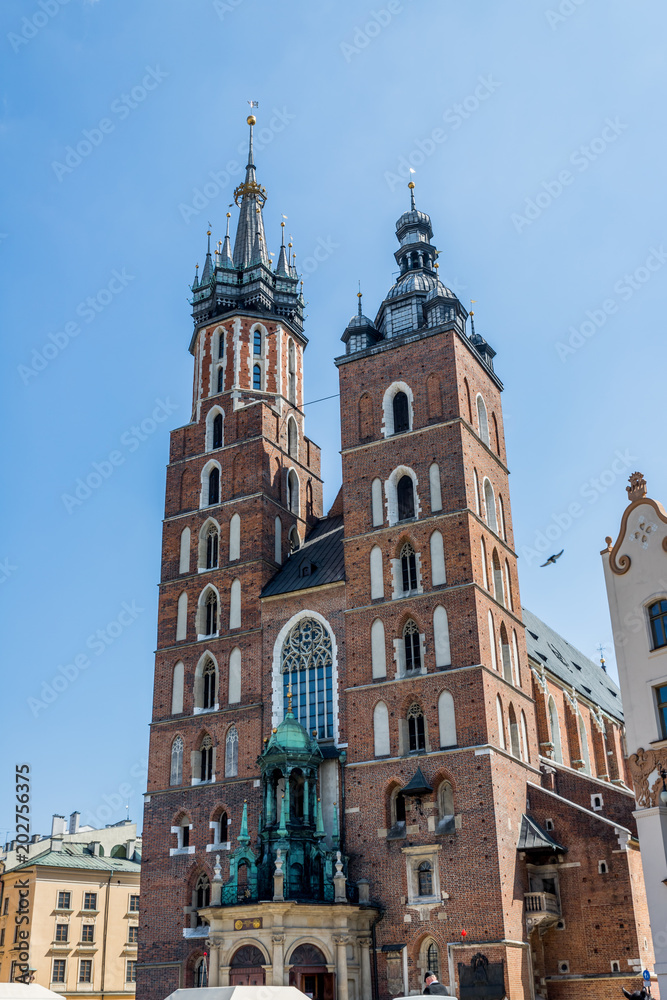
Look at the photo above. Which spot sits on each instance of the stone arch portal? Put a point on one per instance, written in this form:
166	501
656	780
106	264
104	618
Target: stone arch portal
247	967
308	972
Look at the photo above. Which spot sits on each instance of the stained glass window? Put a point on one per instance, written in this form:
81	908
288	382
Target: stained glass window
307	665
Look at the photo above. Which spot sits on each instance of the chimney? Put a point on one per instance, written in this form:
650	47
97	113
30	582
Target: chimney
129	849
74	822
58	826
94	847
35	839
56	844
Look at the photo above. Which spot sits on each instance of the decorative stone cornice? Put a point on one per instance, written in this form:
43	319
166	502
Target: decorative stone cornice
645	767
637	495
540	677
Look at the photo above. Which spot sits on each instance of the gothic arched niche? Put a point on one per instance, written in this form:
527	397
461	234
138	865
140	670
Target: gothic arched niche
307	954
247	956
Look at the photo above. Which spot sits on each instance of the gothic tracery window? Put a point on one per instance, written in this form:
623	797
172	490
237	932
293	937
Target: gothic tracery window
413	660
212	548
209	685
206	759
416	731
202	892
232	753
408	568
211	613
176	774
307	666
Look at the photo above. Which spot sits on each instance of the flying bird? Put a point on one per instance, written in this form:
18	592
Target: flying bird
552	559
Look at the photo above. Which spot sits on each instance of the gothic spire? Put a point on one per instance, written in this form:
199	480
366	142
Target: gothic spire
195	283
226	259
283	265
208	263
251	225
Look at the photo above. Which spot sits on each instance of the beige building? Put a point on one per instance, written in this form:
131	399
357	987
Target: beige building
82	904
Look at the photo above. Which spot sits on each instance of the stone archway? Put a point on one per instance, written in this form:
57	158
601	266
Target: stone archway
308	972
246	967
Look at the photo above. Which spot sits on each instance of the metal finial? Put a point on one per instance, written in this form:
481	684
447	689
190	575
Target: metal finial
251	120
289	698
411	185
359	297
282	234
472	316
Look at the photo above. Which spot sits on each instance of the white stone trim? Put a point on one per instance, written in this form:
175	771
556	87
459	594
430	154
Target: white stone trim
203	492
391	498
210	417
388	407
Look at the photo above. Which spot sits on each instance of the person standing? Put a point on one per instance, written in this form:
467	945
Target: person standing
433	987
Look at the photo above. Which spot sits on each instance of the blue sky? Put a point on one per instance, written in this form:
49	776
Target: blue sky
544	180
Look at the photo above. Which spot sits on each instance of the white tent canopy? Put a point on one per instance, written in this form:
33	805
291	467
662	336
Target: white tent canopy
22	991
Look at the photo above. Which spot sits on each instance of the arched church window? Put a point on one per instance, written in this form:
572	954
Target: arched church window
217	431
212	548
201	977
221	375
425	879
206	759
482	420
211	613
232	753
416	729
209	678
401	413
408	568
257	342
202	892
405	495
291	438
307	667
433	959
176	774
413	660
256	377
214	485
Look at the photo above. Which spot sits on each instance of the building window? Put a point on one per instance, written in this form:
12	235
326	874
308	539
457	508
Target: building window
212	548
256	377
405	495
217	430
661	698
201	978
133	934
214	486
130	972
232	753
401	413
482	420
220	378
294	540
209	678
2	937
413	660
59	967
490	505
433	959
307	665
134	904
6	908
291	438
293	492
425	879
202	892
416	731
206	759
408	568
90	900
211	613
64	901
657	616
62	932
86	970
87	933
257	342
176	774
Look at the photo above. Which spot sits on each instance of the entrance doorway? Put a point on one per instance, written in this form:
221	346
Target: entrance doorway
246	967
308	972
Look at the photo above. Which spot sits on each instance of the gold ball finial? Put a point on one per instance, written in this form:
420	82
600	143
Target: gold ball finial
208	232
251	120
411	185
282	224
359	294
229	215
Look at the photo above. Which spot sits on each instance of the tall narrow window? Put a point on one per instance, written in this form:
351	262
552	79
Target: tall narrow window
176	772
434	483
211	621
476	483
291	360
405	495
214	486
217	430
377	573
209	678
401	413
443	656
411	645
554	726
416	730
501	722
438	571
212	548
206	759
182	616
497	579
202	892
184	554
307	666
583	740
485	572
492	643
381	730
256	377
482	420
278	541
232	753
177	688
524	738
433	959
291	438
235	604
501	518
425	879
408	568
515	745
508	587
506	655
234	676
234	538
376	503
447	720
293	492
490	504
221	374
257	342
657	616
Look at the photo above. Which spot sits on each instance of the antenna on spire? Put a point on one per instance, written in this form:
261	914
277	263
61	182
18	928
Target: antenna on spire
472	316
282	234
208	234
603	662
411	185
359	296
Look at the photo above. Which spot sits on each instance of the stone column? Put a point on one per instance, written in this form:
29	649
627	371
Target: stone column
366	983
214	963
224	975
278	959
341	966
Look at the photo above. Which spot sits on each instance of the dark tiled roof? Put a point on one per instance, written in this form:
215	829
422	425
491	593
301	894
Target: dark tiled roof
533	838
318	561
570	665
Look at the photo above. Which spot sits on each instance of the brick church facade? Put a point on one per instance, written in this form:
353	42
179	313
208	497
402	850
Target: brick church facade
366	760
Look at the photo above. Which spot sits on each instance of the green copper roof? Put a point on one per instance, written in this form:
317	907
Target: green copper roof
291	737
77	856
